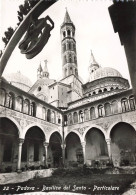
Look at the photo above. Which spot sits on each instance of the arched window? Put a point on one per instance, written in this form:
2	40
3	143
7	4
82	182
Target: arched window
53	117
111	88
114	107
105	89
70	119
124	104
132	103
75	117
86	115
26	106
65	120
33	109
94	92
68	32
10	102
100	111
69	46
19	104
44	113
70	58
64	34
107	107
100	91
92	113
66	72
81	116
48	115
71	70
2	97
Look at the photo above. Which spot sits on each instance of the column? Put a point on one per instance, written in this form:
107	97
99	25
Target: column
63	146
108	141
83	144
45	144
20	142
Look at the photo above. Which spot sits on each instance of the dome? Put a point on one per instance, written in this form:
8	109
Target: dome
104	72
19	80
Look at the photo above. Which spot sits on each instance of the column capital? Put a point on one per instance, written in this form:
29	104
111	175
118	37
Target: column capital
63	146
108	140
45	144
83	144
20	141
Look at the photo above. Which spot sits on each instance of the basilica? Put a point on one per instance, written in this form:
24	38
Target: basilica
67	122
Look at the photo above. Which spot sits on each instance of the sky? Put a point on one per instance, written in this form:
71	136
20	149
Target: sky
94	31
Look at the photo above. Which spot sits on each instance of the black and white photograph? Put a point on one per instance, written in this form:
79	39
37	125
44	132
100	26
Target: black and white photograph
68	97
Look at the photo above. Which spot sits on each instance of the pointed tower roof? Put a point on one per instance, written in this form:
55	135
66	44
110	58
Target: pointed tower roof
93	61
40	68
67	17
45	69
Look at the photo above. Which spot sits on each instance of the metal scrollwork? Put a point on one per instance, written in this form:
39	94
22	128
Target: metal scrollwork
36	37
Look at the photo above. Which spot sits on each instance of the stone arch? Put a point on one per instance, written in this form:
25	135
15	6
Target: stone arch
123	144
26	106
100	110
19	103
124	105
96	147
75	117
73	151
33	125
16	124
9	136
114	106
94	126
132	102
55	150
76	132
115	123
50	134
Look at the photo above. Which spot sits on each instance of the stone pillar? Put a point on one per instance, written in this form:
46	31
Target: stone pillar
108	141
63	146
83	144
20	142
45	144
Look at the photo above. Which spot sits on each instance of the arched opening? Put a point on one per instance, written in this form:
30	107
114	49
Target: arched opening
123	146
53	117
8	145
75	117
64	34
48	115
44	113
81	116
70	121
19	103
55	150
107	108
132	102
33	149
33	109
65	120
124	104
26	106
114	107
74	153
100	91
96	147
100	111
86	114
68	32
105	89
2	97
92	113
11	100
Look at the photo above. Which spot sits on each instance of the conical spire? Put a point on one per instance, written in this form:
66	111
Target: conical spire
45	69
67	17
92	59
40	68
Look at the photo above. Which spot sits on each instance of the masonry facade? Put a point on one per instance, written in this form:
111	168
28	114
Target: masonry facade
52	123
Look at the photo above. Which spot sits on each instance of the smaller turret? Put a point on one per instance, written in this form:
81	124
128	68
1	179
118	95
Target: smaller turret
45	69
39	72
93	64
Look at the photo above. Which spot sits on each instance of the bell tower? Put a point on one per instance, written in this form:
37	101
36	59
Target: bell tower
68	47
